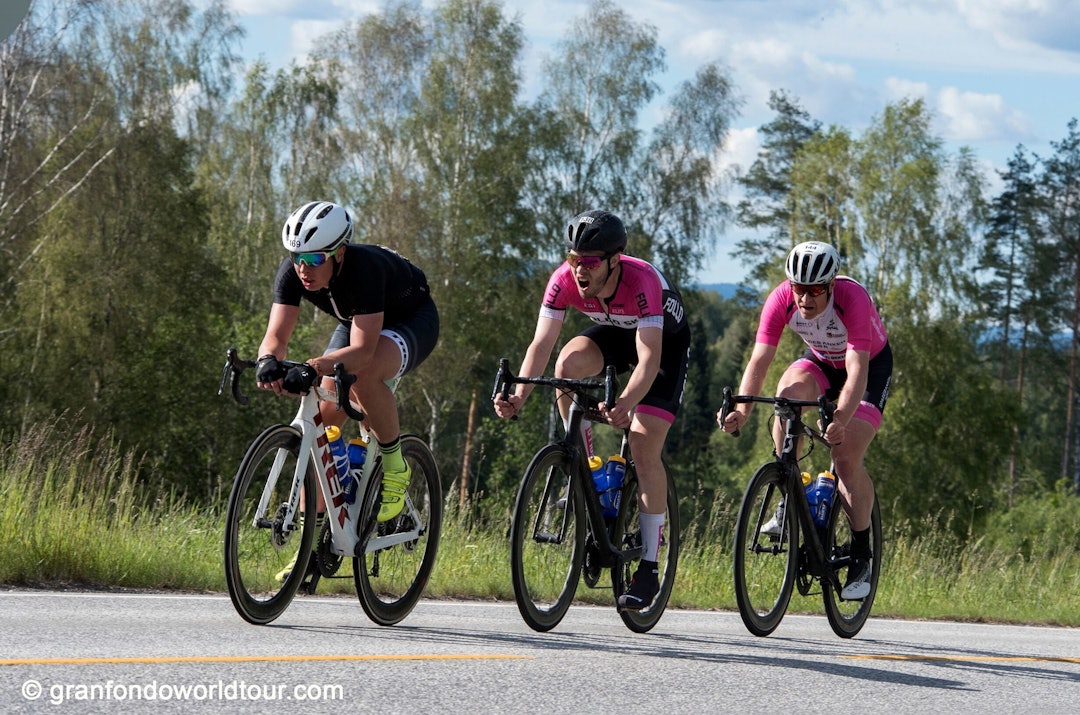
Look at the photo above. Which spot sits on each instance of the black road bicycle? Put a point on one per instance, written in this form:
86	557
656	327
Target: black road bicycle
559	534
767	565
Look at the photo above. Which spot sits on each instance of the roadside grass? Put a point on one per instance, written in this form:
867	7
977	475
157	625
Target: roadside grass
75	517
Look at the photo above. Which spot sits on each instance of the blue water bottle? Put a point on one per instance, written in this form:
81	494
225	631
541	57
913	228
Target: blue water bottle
357	454
824	490
810	486
341	463
596	466
614	471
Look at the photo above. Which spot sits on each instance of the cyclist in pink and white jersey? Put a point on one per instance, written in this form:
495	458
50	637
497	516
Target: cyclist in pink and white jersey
848	359
641	328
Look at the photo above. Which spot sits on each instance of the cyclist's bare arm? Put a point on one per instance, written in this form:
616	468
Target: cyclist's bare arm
649	343
536	359
753	380
857	364
279	328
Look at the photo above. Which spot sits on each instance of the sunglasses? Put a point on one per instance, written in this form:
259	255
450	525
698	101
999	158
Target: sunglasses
589	263
812	291
312	260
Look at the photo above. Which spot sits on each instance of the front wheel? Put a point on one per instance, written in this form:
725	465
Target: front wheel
265	560
627	535
765	562
547	539
848	617
390	579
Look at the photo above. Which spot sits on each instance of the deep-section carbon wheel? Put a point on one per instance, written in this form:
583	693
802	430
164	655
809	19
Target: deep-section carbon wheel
628	535
547	539
764	564
848	617
257	546
390	580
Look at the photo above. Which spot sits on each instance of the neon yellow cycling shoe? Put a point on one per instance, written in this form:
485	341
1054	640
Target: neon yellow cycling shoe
392	498
283	574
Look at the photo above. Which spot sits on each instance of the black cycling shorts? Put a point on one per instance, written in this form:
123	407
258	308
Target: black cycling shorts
619	348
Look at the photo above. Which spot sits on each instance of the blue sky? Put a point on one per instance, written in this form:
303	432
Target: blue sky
995	73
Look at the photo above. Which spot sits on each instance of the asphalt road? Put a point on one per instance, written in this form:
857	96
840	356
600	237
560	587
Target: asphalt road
148	652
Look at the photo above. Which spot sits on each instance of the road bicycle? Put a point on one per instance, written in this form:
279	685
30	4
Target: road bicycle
559	535
271	517
769	566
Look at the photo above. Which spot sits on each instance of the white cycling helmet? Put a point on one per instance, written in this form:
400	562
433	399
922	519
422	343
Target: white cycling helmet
812	263
317	226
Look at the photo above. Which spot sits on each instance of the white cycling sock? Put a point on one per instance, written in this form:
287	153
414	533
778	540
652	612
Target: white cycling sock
652	526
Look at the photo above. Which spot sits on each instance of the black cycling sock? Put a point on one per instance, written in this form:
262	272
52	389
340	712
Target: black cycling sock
391	455
860	543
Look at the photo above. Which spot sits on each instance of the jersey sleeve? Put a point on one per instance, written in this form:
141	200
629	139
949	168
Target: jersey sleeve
556	295
774	315
860	315
287	287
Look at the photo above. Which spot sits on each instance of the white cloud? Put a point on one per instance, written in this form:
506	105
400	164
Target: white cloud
740	149
897	89
974	117
1050	24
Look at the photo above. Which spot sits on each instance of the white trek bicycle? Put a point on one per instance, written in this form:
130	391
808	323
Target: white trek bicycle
272	509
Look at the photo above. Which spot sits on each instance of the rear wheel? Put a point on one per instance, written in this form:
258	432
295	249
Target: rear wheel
258	546
848	617
765	564
627	535
391	579
547	540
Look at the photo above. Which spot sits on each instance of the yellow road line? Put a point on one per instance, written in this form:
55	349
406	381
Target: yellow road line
252	659
969	658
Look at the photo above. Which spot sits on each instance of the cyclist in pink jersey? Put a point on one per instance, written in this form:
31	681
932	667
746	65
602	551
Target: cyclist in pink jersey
848	359
640	328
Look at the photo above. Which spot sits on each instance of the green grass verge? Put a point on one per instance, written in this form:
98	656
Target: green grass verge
73	516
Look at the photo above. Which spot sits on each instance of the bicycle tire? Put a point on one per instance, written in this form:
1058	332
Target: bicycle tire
390	581
848	617
547	540
627	534
765	566
255	554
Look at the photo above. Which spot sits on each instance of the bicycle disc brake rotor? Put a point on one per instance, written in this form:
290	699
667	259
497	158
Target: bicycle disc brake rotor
278	535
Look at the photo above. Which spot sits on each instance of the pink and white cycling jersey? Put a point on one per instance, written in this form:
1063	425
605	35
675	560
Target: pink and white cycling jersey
849	322
644	298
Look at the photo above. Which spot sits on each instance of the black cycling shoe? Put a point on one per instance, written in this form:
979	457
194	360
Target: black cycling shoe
644	586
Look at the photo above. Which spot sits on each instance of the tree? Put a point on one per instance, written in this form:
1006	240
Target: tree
1021	283
767	207
678	188
1062	183
595	88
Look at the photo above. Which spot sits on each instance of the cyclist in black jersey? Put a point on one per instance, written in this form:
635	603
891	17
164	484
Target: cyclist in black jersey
388	324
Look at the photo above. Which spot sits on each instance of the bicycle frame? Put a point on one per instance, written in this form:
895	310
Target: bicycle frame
343	518
573	443
789	412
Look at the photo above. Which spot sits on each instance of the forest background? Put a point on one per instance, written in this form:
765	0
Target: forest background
144	178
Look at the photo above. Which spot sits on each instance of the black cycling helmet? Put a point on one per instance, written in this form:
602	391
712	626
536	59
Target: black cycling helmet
596	231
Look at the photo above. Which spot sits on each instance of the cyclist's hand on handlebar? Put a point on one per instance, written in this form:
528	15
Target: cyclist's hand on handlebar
618	415
268	370
298	380
509	407
835	433
735	420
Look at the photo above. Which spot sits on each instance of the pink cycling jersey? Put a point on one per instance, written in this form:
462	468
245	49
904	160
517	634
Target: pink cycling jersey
849	322
643	299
